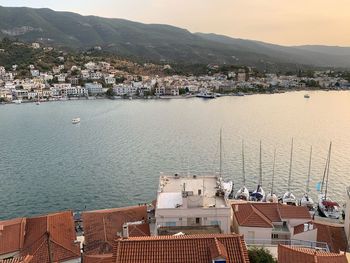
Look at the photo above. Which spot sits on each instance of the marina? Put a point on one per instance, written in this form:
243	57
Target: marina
55	165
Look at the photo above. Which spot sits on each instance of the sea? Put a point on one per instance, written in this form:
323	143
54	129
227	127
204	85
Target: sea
115	156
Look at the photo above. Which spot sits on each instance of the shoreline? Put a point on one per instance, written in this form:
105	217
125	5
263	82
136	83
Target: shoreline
168	97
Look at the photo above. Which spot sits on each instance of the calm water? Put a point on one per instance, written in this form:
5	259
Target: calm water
114	156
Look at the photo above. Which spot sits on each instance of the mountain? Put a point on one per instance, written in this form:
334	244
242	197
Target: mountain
158	43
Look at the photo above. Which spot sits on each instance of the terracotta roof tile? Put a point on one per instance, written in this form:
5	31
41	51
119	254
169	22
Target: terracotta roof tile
139	230
192	248
264	214
247	215
11	235
102	258
288	254
333	235
54	232
101	227
26	259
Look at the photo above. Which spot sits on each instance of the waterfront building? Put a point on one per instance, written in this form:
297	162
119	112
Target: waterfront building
269	222
94	88
347	213
191	201
215	248
49	238
102	227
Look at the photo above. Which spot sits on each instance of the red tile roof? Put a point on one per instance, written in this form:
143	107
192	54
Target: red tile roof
248	215
102	258
26	259
139	230
288	254
12	235
264	214
194	249
54	232
101	227
333	235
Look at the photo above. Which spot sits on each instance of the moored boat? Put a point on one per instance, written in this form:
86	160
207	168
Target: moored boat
272	197
243	192
258	195
289	198
306	200
326	206
206	95
306	96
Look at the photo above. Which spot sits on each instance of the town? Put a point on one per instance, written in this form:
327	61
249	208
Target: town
190	211
98	78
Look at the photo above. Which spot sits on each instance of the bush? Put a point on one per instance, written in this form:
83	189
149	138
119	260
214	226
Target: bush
260	255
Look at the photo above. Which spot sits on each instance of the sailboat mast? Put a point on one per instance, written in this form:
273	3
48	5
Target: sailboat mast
220	153
273	170
243	164
325	172
309	173
260	167
329	160
290	165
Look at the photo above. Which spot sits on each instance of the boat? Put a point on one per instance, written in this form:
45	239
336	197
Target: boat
76	120
206	95
258	195
306	200
17	101
289	198
326	206
243	192
306	96
272	197
225	186
37	103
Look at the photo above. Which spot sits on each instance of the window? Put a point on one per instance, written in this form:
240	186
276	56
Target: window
170	223
198	220
199	191
215	223
274	236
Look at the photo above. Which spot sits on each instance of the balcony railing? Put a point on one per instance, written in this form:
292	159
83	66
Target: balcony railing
289	242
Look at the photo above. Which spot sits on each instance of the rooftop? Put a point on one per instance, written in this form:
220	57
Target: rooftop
162	249
200	191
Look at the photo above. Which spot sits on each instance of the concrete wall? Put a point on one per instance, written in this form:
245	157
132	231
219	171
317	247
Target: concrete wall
206	215
310	235
256	233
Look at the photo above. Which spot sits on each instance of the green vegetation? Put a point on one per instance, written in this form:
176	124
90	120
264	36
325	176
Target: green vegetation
156	43
260	255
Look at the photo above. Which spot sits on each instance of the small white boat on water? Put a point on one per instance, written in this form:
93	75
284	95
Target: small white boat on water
75	120
17	101
306	96
326	206
226	187
206	95
289	198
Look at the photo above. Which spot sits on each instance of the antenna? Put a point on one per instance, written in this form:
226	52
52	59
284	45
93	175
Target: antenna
260	167
220	173
309	173
273	170
290	165
243	164
329	160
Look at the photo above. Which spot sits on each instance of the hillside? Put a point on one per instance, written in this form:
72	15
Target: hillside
158	43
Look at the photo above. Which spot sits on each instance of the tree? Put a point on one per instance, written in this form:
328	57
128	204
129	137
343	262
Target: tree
260	255
110	92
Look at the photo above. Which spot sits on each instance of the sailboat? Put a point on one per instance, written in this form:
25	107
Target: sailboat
272	197
243	192
306	200
326	206
288	198
259	194
225	186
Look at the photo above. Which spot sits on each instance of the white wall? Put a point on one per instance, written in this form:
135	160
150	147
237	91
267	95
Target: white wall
259	232
310	235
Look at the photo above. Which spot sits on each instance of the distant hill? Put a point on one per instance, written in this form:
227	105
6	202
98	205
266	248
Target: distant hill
159	43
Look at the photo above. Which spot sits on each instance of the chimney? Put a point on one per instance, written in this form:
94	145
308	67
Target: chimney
236	208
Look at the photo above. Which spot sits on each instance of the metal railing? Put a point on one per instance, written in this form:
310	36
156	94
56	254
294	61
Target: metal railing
289	242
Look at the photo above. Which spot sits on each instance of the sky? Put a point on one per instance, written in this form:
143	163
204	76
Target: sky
286	22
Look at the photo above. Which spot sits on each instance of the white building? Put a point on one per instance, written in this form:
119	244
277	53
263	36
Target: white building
110	80
94	88
191	201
